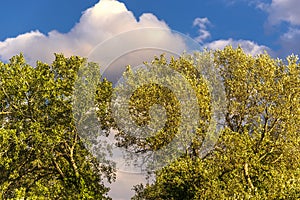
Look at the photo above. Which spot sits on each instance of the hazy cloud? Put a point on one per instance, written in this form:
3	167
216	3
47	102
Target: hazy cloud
248	46
283	11
122	188
279	11
290	42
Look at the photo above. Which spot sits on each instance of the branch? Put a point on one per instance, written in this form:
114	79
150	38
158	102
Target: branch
58	168
274	123
271	151
5	113
247	176
72	158
277	159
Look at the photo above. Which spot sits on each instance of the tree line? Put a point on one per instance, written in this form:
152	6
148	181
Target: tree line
256	154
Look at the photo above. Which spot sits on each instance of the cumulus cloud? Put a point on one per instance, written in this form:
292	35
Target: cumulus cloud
98	23
202	31
249	47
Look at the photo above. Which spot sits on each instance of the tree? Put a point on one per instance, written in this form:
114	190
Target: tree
41	153
257	153
147	90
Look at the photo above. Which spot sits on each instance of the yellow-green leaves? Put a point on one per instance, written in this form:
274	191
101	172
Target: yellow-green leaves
41	154
257	154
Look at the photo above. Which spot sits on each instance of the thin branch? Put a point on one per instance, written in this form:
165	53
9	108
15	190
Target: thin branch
5	113
247	176
58	169
277	159
272	149
72	158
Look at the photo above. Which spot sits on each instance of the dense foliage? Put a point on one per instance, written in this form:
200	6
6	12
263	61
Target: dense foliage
41	154
256	156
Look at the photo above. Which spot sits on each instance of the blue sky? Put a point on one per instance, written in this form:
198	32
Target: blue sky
23	16
40	28
236	20
271	25
227	20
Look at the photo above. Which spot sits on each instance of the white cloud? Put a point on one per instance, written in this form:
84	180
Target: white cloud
283	11
23	41
248	46
104	20
202	31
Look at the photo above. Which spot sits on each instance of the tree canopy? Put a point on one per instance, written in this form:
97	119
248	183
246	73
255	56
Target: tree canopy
252	152
41	153
257	153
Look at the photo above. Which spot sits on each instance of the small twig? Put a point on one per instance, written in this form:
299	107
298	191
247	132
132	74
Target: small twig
277	159
58	169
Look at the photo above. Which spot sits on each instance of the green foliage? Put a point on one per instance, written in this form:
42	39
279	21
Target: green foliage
157	85
257	154
41	154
